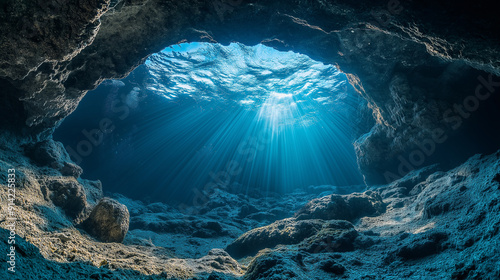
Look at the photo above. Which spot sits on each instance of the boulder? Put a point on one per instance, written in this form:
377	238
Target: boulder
71	169
284	232
337	207
275	265
47	153
68	194
108	221
51	153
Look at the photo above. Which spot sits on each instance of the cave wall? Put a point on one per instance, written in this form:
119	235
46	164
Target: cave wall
413	61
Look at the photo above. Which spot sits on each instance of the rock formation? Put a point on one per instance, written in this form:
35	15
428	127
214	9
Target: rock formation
376	44
108	221
428	71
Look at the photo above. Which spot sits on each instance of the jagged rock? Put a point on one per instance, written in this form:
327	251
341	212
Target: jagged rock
67	194
336	207
71	169
108	221
335	189
52	154
422	245
162	223
47	153
93	190
365	204
405	185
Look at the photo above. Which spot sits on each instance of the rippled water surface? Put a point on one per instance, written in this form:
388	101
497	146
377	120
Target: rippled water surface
199	114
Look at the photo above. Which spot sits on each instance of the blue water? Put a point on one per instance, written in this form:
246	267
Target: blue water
199	116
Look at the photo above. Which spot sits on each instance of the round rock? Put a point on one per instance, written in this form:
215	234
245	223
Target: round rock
108	221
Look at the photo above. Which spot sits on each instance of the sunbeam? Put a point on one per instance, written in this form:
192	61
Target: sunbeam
251	118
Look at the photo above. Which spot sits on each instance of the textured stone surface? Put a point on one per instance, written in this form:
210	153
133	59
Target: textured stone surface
409	241
52	154
411	68
69	195
290	231
407	59
108	221
337	207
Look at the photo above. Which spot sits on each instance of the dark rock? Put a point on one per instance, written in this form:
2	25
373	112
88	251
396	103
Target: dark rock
364	242
45	153
217	276
52	154
342	190
331	266
67	194
71	169
447	200
497	178
462	271
108	221
422	245
365	204
435	208
405	185
209	229
246	210
165	223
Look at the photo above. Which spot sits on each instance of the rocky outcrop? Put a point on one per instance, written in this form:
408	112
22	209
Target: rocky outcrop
52	154
437	225
337	207
108	221
410	60
321	225
291	231
422	245
335	236
67	194
403	58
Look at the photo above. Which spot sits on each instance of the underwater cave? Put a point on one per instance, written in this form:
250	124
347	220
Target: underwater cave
205	116
234	139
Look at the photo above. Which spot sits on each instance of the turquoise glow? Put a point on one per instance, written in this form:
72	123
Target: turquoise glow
253	117
202	116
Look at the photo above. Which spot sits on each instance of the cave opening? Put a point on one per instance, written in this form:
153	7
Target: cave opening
376	156
197	117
